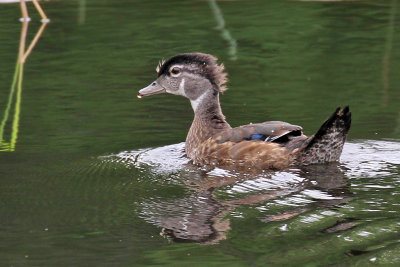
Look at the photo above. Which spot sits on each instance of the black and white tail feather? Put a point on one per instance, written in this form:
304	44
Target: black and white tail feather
327	144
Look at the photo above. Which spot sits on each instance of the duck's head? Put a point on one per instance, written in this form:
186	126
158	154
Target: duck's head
192	75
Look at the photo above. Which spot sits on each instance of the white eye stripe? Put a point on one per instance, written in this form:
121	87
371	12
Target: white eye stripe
191	75
189	71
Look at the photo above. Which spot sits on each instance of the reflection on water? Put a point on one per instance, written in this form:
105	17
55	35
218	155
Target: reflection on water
387	53
16	86
63	205
197	218
225	34
204	215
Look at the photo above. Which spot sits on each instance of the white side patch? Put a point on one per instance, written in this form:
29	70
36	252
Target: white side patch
195	103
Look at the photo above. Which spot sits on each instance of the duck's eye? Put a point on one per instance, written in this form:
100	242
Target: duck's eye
175	71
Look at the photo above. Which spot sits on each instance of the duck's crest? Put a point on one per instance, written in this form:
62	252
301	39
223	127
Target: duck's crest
206	65
160	63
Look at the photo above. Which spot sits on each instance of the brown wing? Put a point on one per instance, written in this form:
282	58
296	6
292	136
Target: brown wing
270	131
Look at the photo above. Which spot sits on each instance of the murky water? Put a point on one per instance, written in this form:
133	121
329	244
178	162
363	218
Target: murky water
89	175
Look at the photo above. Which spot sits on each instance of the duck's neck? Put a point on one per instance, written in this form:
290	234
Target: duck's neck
208	120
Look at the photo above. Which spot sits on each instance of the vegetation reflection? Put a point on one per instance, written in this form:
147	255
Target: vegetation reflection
16	86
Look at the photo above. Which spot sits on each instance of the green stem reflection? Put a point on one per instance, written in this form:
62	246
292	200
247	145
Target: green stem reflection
17	79
225	34
14	134
4	146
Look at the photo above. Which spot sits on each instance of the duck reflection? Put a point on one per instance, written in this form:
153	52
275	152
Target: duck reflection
202	218
15	95
197	218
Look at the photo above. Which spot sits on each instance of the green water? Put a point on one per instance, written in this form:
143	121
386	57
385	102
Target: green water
96	175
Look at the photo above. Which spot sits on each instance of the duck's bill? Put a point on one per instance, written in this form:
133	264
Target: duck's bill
153	89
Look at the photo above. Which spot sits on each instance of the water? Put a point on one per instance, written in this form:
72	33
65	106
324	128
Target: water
89	175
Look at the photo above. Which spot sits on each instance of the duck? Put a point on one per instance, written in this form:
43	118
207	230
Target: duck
270	145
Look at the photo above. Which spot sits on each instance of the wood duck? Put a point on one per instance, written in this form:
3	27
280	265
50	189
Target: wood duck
212	141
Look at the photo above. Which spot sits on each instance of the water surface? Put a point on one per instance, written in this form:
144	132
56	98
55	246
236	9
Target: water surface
97	177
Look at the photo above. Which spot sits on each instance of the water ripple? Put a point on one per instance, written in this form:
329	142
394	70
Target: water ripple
162	160
211	197
371	158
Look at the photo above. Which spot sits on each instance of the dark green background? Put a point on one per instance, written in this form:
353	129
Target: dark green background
62	204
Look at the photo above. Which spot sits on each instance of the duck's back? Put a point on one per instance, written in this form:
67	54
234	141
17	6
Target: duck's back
275	144
266	145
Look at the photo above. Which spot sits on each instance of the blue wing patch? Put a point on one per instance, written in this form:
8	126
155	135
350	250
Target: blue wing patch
257	136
